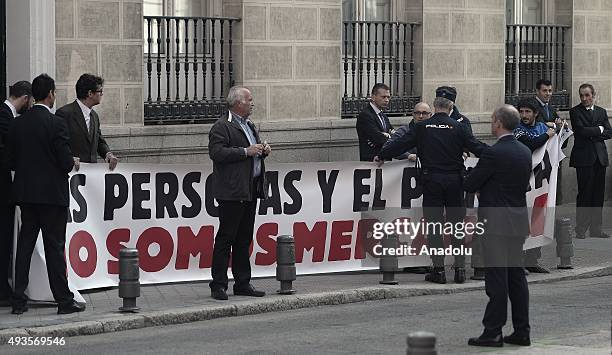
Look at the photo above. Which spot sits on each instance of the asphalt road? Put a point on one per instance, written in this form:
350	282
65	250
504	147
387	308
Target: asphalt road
572	317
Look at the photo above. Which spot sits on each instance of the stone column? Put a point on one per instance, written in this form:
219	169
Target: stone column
103	38
592	49
463	46
30	39
289	54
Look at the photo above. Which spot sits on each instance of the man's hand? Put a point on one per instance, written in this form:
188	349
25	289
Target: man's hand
255	149
550	132
379	162
77	163
412	157
112	160
266	148
550	124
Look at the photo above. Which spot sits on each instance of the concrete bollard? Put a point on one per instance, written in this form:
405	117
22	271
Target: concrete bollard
129	273
389	263
565	244
421	343
285	264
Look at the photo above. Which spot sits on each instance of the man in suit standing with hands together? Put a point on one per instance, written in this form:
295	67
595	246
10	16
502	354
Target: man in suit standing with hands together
41	158
590	158
373	126
502	179
86	139
239	171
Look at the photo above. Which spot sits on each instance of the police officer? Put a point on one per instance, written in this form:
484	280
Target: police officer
450	93
440	142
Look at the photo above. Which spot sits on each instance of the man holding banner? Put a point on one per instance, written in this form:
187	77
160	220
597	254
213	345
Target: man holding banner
238	181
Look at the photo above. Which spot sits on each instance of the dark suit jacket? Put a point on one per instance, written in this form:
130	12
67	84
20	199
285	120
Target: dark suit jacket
232	169
589	145
41	158
6	117
370	133
542	113
502	178
84	144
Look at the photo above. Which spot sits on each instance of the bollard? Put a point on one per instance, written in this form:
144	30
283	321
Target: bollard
565	245
421	343
129	286
388	263
285	264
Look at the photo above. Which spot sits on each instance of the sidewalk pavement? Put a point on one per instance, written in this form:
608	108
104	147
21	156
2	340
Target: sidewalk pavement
188	302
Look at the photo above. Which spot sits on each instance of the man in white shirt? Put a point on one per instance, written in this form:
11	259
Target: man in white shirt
19	101
86	139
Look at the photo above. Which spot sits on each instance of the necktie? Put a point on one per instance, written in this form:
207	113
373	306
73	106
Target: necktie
382	121
547	111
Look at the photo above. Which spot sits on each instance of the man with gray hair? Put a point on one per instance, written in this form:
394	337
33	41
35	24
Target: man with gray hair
440	141
238	181
502	179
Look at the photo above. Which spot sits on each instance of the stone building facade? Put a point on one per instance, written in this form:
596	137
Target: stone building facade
289	52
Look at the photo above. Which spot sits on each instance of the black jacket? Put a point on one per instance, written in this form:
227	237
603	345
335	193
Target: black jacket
83	143
440	141
502	178
589	145
542	113
41	158
370	133
232	169
6	117
459	117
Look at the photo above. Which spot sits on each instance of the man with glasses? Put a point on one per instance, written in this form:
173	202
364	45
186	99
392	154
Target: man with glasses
84	124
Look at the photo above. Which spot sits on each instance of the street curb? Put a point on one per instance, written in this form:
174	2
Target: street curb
276	303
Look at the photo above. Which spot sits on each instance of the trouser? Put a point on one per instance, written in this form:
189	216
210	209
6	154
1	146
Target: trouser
52	221
532	256
589	201
7	213
505	278
443	202
235	234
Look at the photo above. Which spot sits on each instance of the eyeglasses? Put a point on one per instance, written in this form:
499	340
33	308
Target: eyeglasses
421	113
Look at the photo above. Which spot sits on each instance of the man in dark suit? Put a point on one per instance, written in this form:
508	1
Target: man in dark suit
502	178
546	112
86	139
590	158
20	95
373	126
238	181
41	158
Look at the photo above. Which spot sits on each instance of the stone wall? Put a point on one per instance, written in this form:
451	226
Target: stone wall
592	49
463	46
288	53
102	37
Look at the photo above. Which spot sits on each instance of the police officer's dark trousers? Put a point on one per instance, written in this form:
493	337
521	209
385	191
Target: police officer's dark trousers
443	202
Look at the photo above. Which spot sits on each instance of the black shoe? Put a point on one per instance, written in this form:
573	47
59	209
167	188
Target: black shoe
219	294
70	307
580	236
249	291
438	277
517	340
538	269
479	274
495	342
19	309
459	275
601	235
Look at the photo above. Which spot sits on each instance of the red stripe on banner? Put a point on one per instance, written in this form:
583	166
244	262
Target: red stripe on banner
538	215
